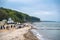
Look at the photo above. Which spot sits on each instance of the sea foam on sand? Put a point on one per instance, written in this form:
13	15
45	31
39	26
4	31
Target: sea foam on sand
40	37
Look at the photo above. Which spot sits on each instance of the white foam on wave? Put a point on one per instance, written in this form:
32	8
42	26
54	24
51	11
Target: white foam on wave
40	37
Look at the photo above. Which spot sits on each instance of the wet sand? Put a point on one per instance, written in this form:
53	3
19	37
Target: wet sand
30	36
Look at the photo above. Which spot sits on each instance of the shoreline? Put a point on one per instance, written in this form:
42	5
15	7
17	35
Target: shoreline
30	36
18	34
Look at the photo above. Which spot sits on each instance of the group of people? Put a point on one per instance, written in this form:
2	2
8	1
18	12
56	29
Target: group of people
2	27
6	26
17	26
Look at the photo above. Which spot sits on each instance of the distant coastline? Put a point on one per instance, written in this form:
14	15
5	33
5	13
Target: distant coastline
47	21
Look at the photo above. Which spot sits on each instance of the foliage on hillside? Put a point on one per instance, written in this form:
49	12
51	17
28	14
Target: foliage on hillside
15	15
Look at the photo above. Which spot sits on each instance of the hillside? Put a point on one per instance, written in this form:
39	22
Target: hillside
16	16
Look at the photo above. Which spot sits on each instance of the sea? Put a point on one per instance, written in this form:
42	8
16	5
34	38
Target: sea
47	30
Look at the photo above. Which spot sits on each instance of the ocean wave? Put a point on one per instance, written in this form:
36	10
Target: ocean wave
39	36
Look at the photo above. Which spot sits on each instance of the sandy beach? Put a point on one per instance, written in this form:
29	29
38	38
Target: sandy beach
18	34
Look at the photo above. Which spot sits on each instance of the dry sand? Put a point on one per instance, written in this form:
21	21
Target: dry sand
18	34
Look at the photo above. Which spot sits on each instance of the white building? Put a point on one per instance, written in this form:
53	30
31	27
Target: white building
10	21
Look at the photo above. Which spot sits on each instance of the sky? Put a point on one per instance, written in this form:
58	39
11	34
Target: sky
46	10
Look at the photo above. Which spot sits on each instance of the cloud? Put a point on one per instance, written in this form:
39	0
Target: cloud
42	13
25	1
2	2
22	1
19	0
